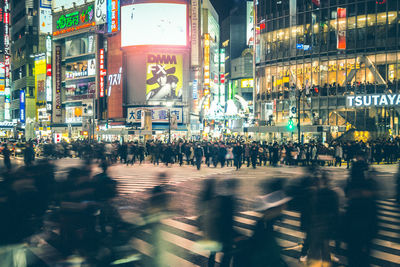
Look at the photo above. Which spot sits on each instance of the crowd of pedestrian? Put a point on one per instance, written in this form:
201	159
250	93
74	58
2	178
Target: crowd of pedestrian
234	152
79	207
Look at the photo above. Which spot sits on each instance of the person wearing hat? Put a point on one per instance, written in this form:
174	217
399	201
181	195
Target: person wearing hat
167	83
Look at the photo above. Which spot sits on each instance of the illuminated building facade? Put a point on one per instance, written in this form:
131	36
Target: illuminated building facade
312	57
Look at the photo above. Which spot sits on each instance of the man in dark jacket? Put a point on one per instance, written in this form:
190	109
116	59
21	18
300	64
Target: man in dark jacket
254	155
198	154
29	154
237	155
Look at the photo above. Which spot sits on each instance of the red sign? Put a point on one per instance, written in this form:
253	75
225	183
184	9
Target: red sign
222	78
48	70
102	72
114	15
341	32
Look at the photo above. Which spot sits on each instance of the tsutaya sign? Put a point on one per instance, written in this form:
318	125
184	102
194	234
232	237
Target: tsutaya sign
380	100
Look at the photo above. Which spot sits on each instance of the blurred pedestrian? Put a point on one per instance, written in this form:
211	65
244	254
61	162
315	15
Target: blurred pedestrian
361	224
29	154
6	154
198	154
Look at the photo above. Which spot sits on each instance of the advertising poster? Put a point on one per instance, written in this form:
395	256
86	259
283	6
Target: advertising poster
341	33
2	24
92	67
2	79
164	77
40	78
45	20
154	24
250	23
22	106
79	46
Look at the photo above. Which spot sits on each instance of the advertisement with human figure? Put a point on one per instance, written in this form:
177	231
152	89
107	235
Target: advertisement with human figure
164	77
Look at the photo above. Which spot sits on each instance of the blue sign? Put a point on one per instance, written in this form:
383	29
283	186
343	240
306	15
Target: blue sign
195	88
299	46
22	106
113	15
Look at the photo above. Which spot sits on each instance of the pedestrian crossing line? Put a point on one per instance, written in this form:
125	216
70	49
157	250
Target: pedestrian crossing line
180	235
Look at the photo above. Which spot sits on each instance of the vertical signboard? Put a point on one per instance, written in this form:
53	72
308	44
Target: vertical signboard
40	78
113	15
7	53
45	17
341	29
250	23
195	33
222	77
22	106
114	78
207	59
1	24
102	72
58	81
100	11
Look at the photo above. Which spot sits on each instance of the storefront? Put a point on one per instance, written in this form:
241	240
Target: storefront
327	55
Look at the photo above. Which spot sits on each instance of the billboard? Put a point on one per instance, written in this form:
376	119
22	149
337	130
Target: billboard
2	24
77	19
158	114
100	13
58	81
164	77
40	78
154	24
113	15
250	23
341	31
45	20
79	46
115	78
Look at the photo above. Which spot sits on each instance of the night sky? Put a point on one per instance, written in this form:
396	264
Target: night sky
223	7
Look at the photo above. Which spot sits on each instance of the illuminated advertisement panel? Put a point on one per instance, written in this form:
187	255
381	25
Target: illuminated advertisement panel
102	72
7	52
75	20
207	59
22	106
113	15
45	20
79	69
2	78
341	32
164	77
58	81
250	23
154	24
40	78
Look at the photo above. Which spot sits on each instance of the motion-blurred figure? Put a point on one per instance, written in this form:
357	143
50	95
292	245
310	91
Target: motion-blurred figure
264	250
361	215
398	185
6	154
29	154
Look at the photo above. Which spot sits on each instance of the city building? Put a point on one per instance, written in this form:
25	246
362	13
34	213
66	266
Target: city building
334	65
77	56
237	38
156	69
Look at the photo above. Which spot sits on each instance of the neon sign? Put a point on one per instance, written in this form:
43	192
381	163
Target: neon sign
75	21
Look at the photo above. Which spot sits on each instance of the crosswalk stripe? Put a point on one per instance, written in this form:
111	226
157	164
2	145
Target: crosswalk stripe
180	235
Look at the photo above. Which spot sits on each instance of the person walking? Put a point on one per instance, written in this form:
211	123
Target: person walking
338	155
254	155
237	155
361	221
198	154
6	154
29	154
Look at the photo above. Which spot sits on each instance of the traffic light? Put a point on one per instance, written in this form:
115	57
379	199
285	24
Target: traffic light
290	125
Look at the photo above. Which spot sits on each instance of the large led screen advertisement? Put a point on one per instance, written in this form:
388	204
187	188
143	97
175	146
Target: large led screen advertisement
154	24
164	77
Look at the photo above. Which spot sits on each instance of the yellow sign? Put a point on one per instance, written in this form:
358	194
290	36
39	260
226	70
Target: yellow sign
164	77
40	79
247	83
207	59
